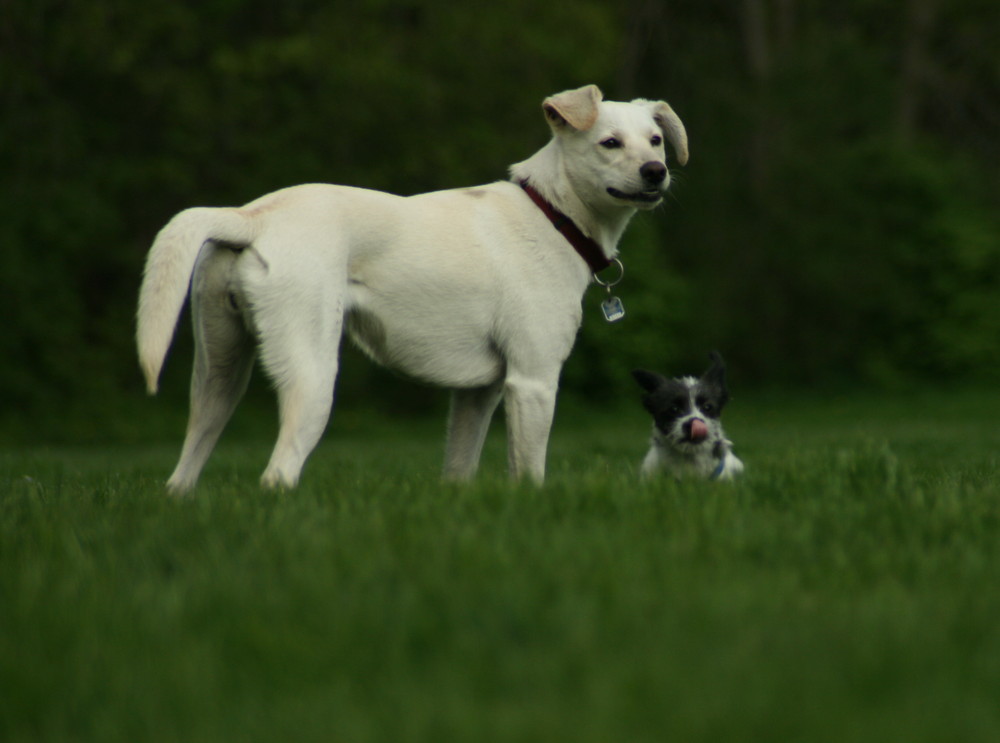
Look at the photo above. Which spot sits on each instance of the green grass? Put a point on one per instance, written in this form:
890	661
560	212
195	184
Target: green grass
847	589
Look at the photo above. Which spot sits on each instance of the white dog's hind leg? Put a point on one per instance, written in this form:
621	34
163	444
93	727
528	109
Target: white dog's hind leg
468	423
304	406
529	404
223	359
299	345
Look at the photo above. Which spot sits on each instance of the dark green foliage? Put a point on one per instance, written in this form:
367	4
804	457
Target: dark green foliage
837	219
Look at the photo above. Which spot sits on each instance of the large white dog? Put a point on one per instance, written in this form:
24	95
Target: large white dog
475	289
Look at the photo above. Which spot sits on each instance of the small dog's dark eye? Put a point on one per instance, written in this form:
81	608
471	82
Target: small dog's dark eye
611	143
656	141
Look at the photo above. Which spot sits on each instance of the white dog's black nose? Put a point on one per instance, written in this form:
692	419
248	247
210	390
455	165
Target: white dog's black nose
653	172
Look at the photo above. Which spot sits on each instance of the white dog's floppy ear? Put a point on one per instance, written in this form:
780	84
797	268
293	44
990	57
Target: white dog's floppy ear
574	108
670	123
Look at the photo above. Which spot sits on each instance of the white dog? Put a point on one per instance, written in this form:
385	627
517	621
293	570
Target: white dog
475	289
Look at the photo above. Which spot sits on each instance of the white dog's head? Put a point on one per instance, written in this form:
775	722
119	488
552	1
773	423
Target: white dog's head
616	153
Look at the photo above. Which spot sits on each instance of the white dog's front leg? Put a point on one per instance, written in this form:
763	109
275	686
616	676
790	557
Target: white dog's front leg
468	422
530	404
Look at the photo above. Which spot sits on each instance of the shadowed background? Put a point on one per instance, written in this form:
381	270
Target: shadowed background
837	223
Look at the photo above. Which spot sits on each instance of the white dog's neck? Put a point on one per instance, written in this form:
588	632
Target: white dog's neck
545	168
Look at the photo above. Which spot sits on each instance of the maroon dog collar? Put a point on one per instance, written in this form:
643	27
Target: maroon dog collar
587	247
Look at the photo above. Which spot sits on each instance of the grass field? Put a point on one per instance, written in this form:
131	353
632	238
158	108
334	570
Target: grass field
848	589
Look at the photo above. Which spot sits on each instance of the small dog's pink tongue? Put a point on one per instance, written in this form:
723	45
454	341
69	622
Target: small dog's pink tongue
699	431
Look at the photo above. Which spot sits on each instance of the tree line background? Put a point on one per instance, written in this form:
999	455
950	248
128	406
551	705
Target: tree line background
837	222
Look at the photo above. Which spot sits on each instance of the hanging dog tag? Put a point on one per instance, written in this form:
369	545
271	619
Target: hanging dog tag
612	306
613	309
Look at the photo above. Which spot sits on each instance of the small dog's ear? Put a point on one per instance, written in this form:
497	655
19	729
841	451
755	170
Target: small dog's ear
716	362
573	108
716	374
649	381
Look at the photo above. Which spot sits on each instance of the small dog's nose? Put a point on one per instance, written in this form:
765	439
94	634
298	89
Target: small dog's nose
653	172
697	430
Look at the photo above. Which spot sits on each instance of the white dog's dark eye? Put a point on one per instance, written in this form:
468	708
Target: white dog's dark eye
656	141
611	143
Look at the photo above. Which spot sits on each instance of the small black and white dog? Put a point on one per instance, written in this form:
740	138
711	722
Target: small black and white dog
687	435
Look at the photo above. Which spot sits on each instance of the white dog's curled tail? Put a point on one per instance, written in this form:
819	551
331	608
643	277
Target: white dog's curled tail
167	276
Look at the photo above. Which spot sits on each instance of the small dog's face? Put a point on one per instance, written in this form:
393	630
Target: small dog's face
686	410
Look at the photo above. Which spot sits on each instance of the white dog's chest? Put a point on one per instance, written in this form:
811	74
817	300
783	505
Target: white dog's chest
416	344
452	311
457	333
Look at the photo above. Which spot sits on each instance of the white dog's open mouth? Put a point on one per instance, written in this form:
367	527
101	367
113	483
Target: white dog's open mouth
642	197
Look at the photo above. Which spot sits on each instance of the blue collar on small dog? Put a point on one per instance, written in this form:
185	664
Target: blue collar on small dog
717	472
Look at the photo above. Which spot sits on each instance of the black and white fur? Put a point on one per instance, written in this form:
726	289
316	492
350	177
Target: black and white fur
688	439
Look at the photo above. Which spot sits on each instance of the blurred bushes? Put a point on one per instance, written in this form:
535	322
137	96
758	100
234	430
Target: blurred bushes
837	221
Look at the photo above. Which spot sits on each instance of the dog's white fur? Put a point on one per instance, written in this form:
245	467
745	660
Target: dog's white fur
663	457
472	289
